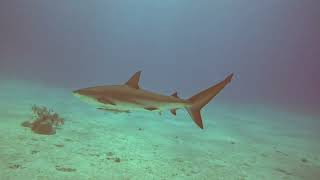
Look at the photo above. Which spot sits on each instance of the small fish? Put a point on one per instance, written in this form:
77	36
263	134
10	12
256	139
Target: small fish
129	96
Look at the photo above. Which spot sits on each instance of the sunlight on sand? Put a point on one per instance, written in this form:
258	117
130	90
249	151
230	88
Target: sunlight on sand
238	142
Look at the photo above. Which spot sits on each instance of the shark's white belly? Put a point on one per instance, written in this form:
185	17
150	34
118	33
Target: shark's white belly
144	106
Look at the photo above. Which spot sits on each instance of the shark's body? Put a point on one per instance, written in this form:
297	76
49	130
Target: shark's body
126	98
129	96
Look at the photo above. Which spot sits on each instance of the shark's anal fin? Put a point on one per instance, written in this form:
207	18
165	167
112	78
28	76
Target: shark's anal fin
174	111
106	101
151	108
134	80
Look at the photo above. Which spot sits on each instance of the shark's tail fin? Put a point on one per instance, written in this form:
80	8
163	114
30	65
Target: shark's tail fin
201	99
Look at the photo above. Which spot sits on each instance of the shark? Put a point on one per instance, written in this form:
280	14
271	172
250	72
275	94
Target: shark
129	96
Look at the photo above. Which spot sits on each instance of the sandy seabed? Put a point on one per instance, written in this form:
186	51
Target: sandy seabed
239	142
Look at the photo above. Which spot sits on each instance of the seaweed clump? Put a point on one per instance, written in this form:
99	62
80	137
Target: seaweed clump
45	121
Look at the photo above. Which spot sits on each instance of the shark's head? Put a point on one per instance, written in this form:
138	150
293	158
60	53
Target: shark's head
88	95
79	93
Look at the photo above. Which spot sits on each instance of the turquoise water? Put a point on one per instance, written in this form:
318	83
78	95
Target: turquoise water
239	141
263	125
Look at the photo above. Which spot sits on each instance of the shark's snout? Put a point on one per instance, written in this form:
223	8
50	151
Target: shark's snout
77	93
85	96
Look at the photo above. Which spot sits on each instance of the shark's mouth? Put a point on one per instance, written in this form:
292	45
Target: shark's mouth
89	100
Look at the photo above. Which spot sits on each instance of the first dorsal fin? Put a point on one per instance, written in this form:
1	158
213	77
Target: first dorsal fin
134	80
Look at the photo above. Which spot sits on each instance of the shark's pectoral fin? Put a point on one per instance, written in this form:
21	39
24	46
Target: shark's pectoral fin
106	101
102	109
134	80
151	108
174	111
114	110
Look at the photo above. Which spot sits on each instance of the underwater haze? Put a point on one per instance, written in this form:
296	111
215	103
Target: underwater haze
263	125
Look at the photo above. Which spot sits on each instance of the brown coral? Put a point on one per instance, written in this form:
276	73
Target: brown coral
45	121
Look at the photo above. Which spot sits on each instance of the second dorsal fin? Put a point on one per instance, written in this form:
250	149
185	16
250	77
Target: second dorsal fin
175	94
134	80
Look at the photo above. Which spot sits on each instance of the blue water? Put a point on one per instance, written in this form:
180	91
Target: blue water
263	125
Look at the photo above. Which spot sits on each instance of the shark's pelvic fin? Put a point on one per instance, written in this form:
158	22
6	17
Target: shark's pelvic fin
201	99
174	111
106	101
134	80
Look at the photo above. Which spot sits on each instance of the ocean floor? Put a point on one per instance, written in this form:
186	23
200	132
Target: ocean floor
239	142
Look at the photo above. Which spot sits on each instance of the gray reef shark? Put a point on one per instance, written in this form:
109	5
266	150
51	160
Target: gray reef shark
129	96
